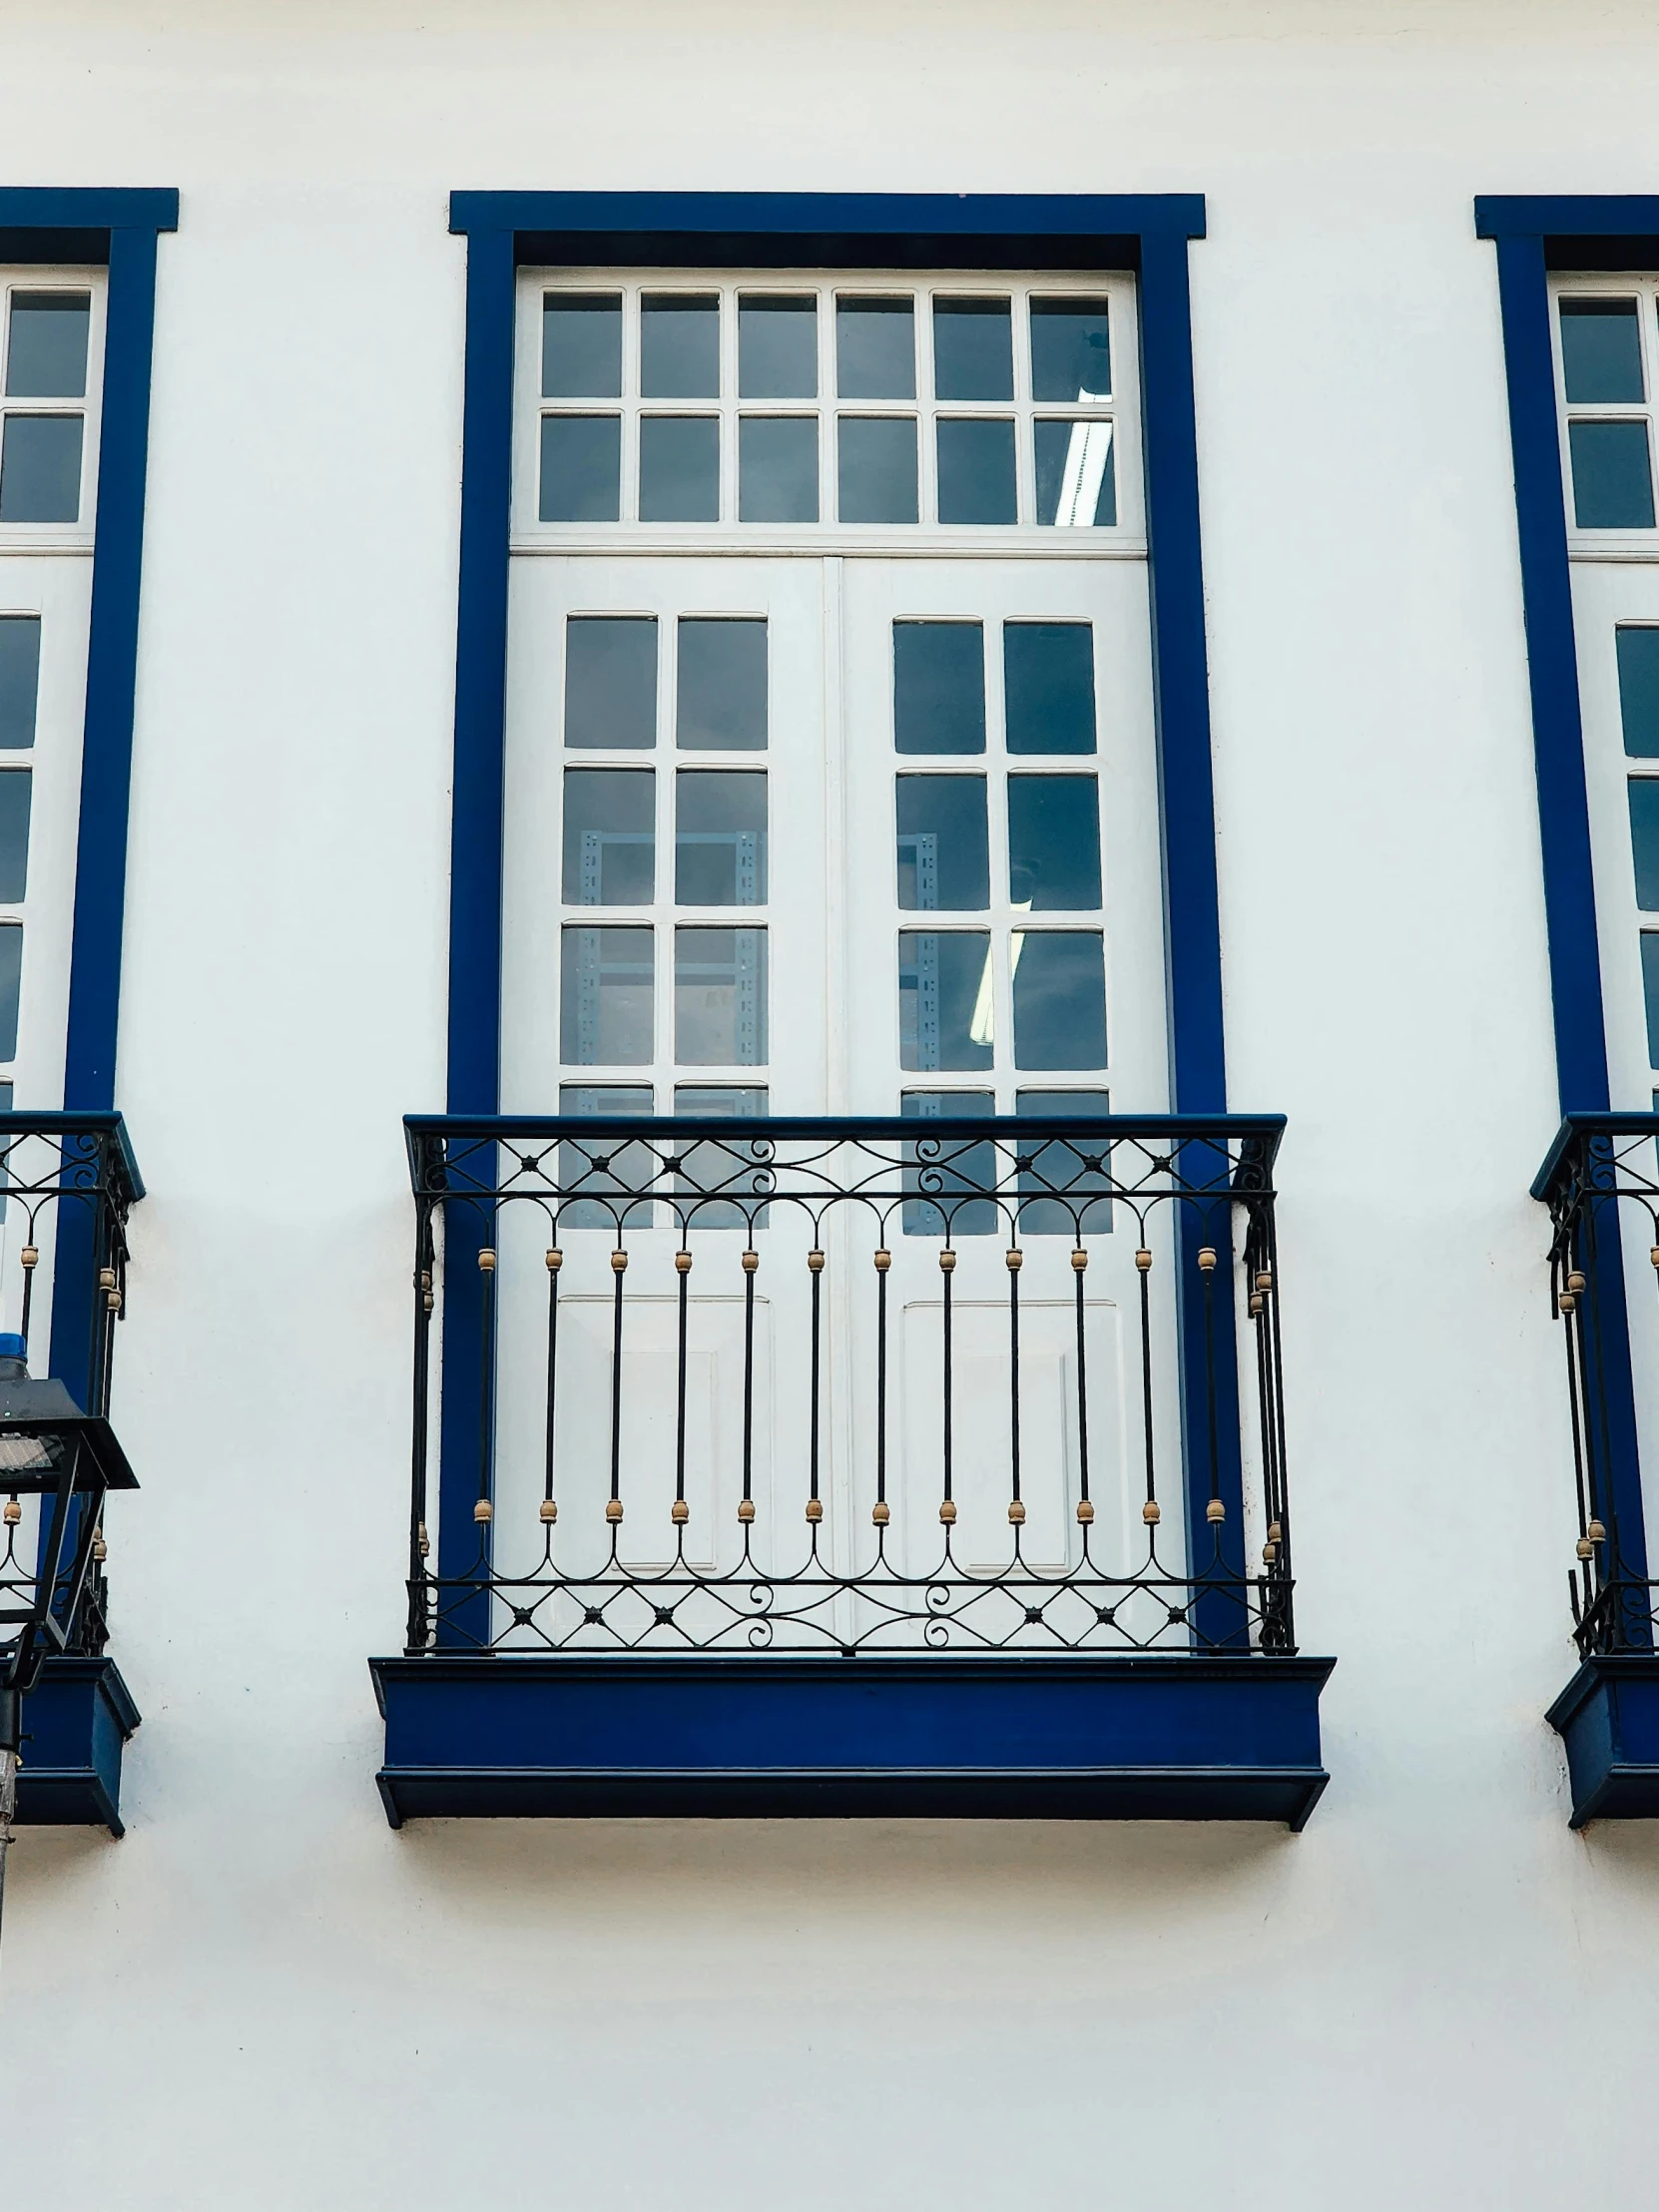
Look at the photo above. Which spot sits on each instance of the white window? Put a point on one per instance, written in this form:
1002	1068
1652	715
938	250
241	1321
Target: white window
51	374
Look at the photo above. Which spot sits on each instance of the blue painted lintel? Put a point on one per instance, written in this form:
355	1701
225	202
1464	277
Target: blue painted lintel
1608	1718
75	1722
751	1735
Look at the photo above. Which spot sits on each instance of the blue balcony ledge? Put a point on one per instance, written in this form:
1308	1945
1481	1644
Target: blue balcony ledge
75	1722
751	1735
1608	1718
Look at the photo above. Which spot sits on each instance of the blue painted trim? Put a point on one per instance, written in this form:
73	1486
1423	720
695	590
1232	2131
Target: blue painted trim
1077	1736
1608	1718
75	1722
1532	233
1147	232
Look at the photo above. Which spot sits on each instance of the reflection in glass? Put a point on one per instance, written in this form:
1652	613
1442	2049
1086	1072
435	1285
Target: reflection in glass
1053	843
45	354
944	1018
719	997
631	1166
19	679
1650	992
1638	651
1601	349
1060	998
581	346
1065	1168
1071	351
1048	687
1644	839
727	1167
948	1167
976	470
876	349
944	845
15	785
610	836
778	468
11	978
605	1015
776	348
611	681
973	350
876	456
1612	488
581	468
722	692
720	838
679	468
1077	486
938	687
40	469
680	346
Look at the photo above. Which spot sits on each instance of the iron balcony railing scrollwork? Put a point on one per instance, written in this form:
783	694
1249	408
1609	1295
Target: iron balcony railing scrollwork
67	1183
848	1385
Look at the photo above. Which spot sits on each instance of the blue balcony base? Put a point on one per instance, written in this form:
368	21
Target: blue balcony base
751	1735
75	1722
1608	1717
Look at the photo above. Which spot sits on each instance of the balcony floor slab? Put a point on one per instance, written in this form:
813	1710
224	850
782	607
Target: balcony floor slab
75	1723
1608	1718
744	1735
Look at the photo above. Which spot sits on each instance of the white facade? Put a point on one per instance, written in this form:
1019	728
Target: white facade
1436	1994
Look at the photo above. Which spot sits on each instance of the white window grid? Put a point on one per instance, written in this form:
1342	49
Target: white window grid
1643	288
1121	411
34	537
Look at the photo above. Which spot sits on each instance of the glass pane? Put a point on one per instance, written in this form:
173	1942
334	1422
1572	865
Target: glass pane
1071	351
1611	487
46	354
610	836
776	348
725	1167
11	977
40	469
944	847
722	694
1059	1000
679	468
1070	1171
1049	685
877	468
581	346
778	468
973	350
606	1004
876	349
15	785
948	1167
720	838
946	1017
938	687
1638	652
719	997
680	346
628	1167
581	468
1077	481
1601	349
977	471
1054	843
1650	992
19	679
1644	839
611	681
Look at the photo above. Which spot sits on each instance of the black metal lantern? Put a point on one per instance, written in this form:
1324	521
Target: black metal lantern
49	1450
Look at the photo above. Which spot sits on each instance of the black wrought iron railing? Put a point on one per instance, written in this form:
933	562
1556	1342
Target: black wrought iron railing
848	1385
67	1183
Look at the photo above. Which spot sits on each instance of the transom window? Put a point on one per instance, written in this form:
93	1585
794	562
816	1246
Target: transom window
785	402
1607	357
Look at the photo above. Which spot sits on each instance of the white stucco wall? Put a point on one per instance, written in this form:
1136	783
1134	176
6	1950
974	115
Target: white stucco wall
262	1997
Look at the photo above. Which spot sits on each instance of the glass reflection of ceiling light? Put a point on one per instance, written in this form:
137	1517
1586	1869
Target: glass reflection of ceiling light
982	1028
1080	480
